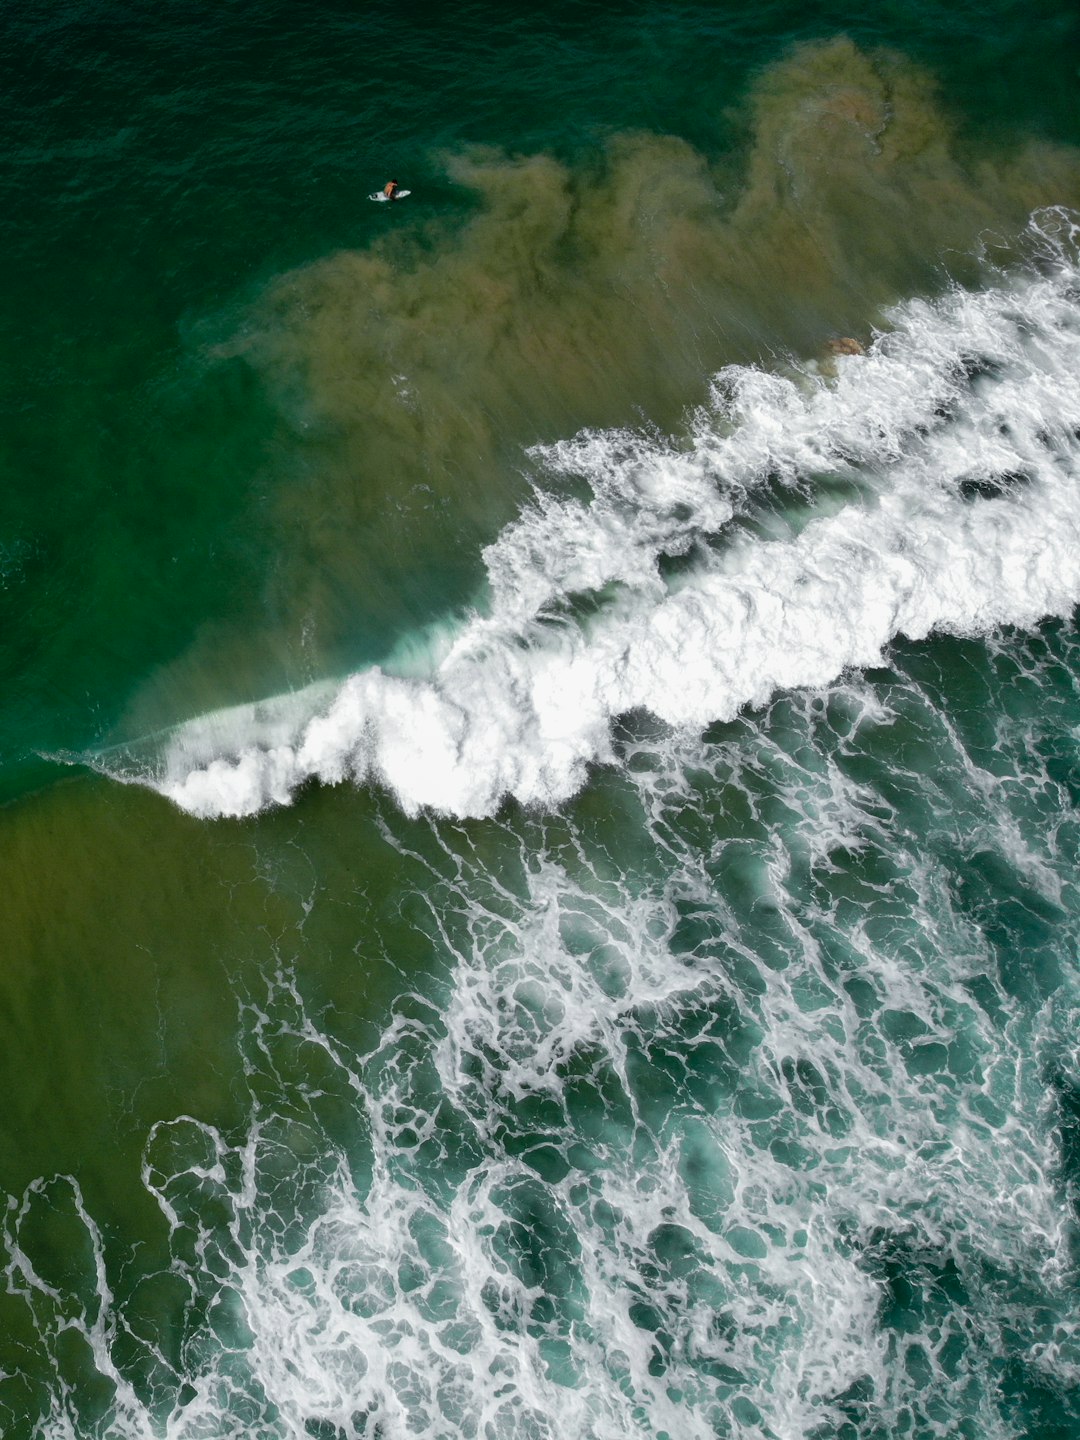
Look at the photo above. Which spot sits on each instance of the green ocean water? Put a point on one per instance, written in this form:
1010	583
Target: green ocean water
710	1067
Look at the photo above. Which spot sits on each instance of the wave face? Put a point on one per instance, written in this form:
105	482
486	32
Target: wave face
807	521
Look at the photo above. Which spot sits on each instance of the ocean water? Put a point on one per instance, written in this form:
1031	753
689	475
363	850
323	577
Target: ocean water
539	793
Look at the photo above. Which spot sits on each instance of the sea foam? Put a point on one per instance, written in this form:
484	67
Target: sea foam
736	1150
952	445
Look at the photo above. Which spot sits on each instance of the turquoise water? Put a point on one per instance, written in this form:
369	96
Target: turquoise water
539	827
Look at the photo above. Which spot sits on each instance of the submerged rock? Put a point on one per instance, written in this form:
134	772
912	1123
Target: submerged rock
845	345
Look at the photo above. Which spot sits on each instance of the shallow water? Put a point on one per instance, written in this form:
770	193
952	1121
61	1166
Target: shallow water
541	830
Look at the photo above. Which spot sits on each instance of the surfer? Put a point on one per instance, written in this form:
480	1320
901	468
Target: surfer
390	189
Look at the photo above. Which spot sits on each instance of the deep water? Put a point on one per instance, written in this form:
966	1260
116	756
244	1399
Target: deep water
539	830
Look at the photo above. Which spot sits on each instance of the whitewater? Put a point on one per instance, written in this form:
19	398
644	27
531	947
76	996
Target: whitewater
810	515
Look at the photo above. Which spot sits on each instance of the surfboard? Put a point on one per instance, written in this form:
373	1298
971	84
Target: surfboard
380	196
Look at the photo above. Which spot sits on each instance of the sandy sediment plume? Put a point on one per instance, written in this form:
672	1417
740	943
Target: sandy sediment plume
410	376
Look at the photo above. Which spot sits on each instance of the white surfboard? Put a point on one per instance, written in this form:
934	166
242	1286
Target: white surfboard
380	196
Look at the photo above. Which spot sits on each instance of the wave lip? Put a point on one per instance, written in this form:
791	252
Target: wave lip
954	444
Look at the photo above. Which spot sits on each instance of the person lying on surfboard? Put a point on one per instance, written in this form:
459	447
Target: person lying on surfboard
390	189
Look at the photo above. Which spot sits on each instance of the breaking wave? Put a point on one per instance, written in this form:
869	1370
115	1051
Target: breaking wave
930	485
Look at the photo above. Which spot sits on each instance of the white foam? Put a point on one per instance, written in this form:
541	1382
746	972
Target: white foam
393	1291
522	700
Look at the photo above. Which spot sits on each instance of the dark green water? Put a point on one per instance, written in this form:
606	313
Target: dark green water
610	966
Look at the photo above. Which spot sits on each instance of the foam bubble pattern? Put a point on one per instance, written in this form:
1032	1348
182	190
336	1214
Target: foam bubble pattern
741	1117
